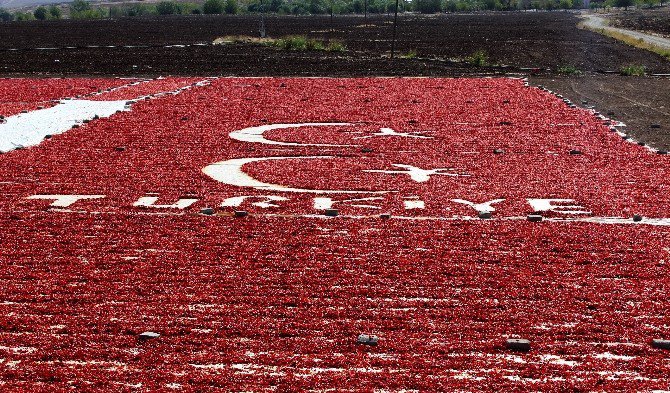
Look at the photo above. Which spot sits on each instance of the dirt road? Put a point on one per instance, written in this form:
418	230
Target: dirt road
593	22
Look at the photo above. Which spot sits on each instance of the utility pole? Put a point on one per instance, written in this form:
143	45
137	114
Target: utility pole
365	8
261	29
395	23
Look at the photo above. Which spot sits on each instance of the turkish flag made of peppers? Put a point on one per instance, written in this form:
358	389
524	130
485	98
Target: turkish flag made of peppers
102	238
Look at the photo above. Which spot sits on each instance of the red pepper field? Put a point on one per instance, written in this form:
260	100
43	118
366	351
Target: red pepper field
105	233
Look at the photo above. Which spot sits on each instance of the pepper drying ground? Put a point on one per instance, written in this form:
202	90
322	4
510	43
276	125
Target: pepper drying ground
105	235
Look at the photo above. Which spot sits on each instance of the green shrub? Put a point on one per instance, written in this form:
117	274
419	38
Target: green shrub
569	70
166	8
40	13
302	43
55	12
23	16
409	55
80	6
295	42
5	16
633	70
213	7
95	13
427	6
314	45
137	9
479	59
231	7
336	46
81	9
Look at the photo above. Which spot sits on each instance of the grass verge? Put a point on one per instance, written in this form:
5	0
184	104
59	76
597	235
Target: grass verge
289	43
626	39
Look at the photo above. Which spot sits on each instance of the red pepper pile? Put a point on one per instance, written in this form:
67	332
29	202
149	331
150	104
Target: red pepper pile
17	95
277	302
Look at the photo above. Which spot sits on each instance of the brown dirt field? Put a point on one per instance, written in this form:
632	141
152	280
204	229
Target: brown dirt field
545	40
647	20
637	101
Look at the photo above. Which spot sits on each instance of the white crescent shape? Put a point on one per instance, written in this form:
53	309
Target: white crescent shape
255	134
230	172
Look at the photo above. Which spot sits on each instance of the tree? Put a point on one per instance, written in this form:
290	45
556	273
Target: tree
55	12
166	8
5	16
275	5
316	7
80	6
230	7
21	16
623	3
137	9
40	13
213	7
428	6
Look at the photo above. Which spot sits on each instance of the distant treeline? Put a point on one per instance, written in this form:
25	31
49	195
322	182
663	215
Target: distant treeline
82	9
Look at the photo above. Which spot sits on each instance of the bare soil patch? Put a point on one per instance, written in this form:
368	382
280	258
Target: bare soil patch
642	103
650	20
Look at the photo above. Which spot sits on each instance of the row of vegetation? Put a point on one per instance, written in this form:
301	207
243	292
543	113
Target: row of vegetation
290	43
82	9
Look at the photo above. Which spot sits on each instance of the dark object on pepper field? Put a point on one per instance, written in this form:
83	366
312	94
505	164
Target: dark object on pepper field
518	344
120	148
366	150
575	152
207	211
660	344
485	215
241	213
661	152
367	339
331	212
534	218
637	218
385	215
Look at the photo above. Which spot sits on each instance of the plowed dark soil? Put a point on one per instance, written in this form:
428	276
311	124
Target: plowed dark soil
147	45
651	21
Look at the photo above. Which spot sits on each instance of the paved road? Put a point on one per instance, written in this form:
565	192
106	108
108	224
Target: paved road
598	22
